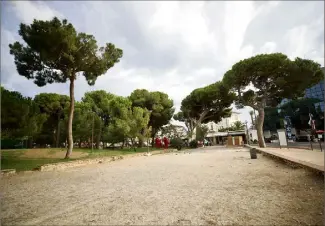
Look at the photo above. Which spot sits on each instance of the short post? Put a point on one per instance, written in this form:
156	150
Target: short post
320	145
320	141
252	152
311	145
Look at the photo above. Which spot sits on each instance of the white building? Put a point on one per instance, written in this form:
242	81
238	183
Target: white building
173	131
217	137
224	123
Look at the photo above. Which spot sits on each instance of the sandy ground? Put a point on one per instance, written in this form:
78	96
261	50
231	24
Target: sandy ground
213	187
51	153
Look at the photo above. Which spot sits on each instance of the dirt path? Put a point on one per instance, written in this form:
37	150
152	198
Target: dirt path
220	186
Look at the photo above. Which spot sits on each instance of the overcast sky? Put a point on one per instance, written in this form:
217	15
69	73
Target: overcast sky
173	47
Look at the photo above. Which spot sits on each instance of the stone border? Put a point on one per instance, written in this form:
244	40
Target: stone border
295	163
8	172
82	162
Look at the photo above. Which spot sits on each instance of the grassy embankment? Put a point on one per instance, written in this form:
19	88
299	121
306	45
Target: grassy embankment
28	159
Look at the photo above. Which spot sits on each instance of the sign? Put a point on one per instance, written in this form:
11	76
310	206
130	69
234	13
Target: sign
320	136
282	138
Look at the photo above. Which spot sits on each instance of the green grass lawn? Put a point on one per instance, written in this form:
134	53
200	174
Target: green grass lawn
14	159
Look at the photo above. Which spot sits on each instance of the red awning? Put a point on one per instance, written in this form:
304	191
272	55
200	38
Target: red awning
320	131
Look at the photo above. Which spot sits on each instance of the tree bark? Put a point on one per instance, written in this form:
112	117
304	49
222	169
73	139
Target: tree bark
71	110
260	134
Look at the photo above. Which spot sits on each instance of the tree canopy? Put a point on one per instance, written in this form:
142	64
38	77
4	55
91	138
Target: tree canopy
265	79
157	103
202	105
20	116
53	105
56	52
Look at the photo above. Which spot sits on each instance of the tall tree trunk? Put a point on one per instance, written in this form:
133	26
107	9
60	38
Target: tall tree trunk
58	132
79	143
260	134
133	144
71	110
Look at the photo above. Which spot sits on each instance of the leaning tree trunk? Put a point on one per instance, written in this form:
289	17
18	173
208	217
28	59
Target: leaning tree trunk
71	110
260	121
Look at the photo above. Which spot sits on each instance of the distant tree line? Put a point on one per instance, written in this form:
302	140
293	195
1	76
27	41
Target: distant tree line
259	82
99	116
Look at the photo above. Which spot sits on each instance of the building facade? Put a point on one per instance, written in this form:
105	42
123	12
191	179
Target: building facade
224	123
171	130
217	137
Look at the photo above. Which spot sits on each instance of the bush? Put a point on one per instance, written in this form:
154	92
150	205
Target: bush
176	143
255	141
193	144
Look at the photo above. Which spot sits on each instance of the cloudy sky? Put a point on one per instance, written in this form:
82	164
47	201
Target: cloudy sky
173	47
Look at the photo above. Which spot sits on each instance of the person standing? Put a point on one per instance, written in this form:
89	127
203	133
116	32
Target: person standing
166	142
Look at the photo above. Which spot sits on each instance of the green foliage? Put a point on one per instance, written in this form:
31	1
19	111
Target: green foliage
194	144
274	77
183	116
176	143
299	110
272	120
53	105
201	132
98	102
55	52
158	103
238	125
210	103
126	121
83	121
20	116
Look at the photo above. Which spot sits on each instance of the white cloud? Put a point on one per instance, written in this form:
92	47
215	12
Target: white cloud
26	11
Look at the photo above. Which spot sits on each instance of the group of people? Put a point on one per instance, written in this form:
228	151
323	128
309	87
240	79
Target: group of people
162	143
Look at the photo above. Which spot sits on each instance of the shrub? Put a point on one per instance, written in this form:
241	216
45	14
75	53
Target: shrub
193	144
255	141
176	143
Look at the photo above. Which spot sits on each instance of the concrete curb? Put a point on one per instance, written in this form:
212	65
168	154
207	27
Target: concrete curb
291	160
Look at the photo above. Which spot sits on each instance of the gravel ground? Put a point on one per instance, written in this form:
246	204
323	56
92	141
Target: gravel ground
218	186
